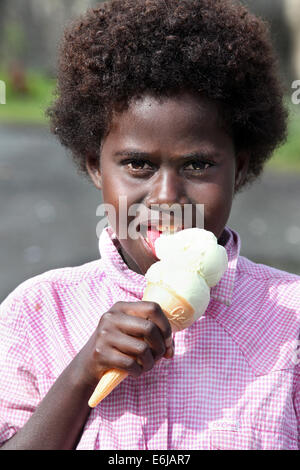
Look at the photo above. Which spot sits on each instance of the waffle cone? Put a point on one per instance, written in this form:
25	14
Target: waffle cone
179	311
106	384
180	315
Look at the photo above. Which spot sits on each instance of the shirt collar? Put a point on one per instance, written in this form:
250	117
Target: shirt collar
134	283
223	291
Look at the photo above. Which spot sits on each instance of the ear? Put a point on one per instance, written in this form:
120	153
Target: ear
242	165
93	168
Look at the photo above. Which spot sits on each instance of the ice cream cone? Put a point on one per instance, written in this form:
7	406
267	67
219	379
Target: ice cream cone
180	315
106	384
179	311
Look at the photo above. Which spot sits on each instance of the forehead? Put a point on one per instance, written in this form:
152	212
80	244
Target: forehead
184	109
181	119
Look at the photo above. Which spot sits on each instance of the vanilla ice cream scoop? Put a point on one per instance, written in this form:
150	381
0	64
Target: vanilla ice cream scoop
191	261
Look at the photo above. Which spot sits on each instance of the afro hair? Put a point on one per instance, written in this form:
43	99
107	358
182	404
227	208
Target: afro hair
123	49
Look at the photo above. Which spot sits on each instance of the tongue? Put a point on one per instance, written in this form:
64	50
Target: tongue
152	236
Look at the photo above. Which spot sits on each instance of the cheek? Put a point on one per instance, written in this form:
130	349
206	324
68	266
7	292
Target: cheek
218	203
217	200
120	202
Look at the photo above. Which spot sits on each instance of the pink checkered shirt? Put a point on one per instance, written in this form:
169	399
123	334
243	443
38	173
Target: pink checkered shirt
232	384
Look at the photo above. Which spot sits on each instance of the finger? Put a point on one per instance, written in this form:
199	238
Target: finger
116	359
157	316
150	311
154	338
170	351
137	327
134	347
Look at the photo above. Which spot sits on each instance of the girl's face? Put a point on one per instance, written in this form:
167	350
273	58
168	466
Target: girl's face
174	151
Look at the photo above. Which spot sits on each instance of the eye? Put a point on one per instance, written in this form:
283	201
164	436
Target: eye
197	165
138	166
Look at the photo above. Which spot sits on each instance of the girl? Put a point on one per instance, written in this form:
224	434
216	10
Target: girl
161	102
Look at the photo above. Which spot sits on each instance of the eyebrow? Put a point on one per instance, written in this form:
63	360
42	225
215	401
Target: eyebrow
144	155
131	153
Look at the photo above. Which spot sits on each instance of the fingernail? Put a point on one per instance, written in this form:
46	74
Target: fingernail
171	349
169	353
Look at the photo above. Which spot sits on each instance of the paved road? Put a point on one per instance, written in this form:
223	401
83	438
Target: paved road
48	212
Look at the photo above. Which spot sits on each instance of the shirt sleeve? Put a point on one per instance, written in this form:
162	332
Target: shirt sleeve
19	394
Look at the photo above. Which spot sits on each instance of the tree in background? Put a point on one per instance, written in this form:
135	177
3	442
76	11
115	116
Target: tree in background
30	30
292	9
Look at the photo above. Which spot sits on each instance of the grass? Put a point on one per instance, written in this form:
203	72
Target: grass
287	157
27	108
30	109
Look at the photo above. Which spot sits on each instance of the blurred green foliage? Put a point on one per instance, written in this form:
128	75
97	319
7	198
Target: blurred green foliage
27	107
14	38
287	157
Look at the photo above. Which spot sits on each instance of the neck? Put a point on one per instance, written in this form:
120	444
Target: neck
223	239
129	262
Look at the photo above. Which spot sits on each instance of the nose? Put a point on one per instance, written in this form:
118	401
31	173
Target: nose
167	189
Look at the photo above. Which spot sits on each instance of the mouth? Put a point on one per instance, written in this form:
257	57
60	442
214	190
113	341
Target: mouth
151	232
